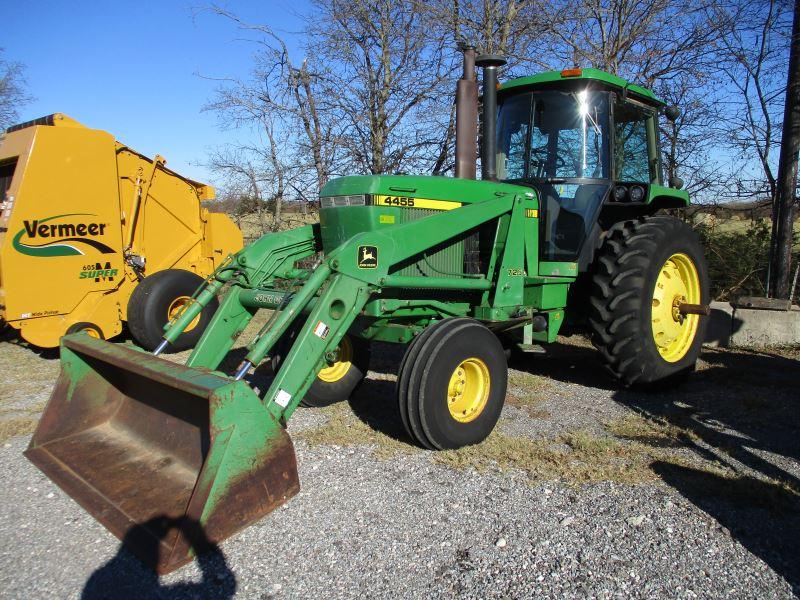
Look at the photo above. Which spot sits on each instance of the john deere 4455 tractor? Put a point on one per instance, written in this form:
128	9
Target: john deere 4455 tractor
566	223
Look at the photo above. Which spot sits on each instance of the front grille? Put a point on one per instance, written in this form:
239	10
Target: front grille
445	260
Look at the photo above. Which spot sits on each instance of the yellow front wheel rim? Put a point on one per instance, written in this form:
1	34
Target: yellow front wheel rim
342	365
177	306
468	390
678	282
92	332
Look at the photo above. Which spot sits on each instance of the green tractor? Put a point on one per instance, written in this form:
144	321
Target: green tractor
567	224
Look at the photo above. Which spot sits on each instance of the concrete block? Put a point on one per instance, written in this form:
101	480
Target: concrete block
720	325
760	328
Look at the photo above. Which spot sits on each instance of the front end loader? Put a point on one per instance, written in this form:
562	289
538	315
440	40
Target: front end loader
565	224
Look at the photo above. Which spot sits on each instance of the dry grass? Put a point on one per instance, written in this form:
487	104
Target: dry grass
527	381
637	428
577	457
10	428
526	392
530	404
740	225
345	429
252	228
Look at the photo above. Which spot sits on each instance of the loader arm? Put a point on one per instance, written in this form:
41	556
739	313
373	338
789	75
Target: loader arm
350	287
254	268
338	288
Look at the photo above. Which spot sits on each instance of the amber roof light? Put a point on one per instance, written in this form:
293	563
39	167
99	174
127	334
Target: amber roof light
572	72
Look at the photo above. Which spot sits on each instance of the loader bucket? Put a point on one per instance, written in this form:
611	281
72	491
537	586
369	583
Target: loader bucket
140	442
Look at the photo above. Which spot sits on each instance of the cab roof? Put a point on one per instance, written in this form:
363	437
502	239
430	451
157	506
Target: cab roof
571	76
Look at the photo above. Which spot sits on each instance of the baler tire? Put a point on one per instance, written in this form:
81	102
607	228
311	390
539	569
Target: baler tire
150	303
90	329
454	346
628	266
324	393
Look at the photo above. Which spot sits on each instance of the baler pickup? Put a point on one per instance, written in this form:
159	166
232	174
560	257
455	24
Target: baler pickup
134	439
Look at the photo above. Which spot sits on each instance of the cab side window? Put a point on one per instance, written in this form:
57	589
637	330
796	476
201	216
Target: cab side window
512	136
631	157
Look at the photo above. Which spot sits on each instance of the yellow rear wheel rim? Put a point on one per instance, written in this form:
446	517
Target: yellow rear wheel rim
468	390
342	365
177	306
677	282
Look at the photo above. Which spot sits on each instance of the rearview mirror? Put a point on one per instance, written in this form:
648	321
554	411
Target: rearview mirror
672	112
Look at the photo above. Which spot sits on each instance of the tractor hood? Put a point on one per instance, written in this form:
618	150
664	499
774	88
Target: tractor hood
460	191
353	205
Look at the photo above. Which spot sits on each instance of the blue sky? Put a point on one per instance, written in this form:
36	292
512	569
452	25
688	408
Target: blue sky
132	68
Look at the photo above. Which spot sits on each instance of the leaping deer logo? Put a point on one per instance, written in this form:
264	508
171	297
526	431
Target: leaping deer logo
367	257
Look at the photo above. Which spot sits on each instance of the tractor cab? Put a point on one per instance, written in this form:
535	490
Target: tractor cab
584	139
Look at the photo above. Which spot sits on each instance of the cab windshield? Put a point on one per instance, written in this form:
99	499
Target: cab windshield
553	135
558	142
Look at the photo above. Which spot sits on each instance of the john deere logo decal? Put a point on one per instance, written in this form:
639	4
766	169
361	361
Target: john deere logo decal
367	257
43	237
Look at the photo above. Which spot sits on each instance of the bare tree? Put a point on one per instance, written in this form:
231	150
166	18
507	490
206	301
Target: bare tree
752	55
13	93
263	165
281	100
642	41
688	144
383	80
512	28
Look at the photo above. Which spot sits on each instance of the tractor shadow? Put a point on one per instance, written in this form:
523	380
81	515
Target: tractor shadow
374	404
739	414
126	577
571	360
374	401
739	411
763	517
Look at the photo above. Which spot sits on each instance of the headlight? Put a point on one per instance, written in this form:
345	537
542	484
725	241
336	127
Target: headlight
637	193
334	201
620	191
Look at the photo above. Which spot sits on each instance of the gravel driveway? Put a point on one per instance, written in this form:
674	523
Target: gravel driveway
584	490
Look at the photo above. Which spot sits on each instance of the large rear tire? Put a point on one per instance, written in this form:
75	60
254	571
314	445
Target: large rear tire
452	384
159	298
645	269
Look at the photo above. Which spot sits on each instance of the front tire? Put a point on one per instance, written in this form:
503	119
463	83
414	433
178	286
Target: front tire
338	381
452	384
159	298
645	269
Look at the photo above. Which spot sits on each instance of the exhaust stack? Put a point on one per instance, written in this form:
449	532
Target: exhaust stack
467	116
489	63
